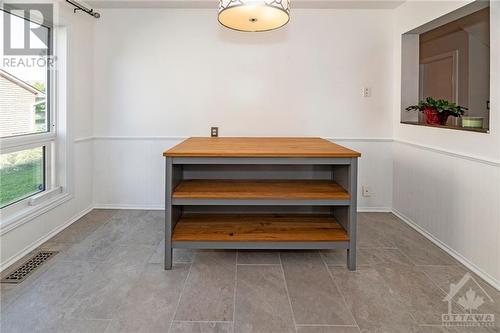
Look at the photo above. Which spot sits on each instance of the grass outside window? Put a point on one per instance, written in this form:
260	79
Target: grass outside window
21	175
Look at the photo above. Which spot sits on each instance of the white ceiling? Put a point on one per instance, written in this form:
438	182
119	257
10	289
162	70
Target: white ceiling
345	4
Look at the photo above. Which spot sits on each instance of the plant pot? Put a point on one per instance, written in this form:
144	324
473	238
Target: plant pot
433	117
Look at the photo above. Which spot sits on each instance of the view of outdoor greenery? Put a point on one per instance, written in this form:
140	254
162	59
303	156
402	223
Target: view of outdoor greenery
21	174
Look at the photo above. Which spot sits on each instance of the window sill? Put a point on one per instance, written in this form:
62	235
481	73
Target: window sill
28	214
477	130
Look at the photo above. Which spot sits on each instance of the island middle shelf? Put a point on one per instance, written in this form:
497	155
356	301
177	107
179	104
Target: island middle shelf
258	191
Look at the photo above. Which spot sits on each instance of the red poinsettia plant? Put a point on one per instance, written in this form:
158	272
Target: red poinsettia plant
437	111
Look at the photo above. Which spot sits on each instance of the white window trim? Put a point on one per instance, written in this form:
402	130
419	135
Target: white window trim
59	187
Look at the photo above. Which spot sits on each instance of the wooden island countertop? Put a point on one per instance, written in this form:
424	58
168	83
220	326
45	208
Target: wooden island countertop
259	147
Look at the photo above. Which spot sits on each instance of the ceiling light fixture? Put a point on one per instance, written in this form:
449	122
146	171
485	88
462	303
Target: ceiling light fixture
254	15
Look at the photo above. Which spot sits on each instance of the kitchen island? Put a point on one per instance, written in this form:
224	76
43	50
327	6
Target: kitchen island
260	193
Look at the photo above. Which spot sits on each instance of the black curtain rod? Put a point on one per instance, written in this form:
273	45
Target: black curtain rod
78	7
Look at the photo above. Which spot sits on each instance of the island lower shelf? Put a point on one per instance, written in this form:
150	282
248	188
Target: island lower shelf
258	228
253	230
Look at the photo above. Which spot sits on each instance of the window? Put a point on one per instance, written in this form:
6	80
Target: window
449	59
27	130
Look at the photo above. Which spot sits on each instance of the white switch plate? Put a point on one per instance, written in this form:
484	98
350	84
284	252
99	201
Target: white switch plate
366	191
367	92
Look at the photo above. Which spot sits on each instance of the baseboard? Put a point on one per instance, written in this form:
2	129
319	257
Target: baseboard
460	258
43	239
156	207
374	210
131	207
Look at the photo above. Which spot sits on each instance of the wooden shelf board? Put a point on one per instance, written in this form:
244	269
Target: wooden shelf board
258	228
479	130
260	189
259	147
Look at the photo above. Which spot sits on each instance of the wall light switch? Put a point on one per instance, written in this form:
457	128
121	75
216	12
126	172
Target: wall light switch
367	92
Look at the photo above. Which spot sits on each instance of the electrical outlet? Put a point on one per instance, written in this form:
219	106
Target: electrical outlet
366	191
214	132
367	92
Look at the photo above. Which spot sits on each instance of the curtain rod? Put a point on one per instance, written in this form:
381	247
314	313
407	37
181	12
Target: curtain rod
78	7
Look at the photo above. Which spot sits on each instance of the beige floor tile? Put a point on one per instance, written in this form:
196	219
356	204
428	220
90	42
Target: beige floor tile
145	230
262	303
374	306
75	326
201	327
209	290
419	295
184	256
151	302
100	244
102	295
366	256
83	227
315	298
328	329
385	230
258	257
43	301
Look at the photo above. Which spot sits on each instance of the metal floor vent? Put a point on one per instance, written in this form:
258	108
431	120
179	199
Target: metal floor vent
26	269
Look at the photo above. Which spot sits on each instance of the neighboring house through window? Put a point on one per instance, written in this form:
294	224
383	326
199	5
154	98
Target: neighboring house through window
19	105
27	129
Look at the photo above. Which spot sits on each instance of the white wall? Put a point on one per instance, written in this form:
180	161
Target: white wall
161	74
446	182
15	243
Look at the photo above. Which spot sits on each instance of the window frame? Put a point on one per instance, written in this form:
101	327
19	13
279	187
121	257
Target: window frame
37	203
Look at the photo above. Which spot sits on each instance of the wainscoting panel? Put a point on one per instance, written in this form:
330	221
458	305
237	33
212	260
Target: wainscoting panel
129	171
455	199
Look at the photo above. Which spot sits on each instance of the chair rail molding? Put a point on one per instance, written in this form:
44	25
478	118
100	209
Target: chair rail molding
495	163
138	137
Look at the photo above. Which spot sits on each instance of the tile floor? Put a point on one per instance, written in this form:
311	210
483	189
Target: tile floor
108	277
